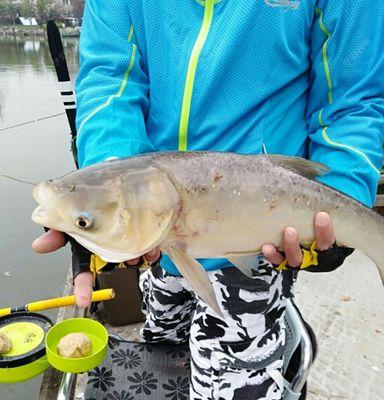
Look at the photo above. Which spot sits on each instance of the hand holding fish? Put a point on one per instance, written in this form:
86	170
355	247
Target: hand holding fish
83	283
324	236
323	256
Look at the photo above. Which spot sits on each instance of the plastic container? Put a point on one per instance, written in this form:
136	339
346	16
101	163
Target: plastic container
97	334
27	357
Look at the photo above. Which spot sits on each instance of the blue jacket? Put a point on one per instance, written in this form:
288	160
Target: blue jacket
301	78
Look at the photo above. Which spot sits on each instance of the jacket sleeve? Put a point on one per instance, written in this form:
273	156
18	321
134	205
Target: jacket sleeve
346	101
111	87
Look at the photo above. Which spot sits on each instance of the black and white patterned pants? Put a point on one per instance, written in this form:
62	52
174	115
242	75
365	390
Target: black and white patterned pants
230	357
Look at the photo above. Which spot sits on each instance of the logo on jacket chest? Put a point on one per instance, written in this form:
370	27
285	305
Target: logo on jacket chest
289	4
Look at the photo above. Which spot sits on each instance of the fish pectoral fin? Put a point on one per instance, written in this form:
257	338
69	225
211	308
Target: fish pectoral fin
300	166
196	276
246	264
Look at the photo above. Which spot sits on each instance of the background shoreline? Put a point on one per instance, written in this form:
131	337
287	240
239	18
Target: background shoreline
35	31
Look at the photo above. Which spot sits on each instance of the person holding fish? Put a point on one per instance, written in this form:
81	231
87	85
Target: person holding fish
294	78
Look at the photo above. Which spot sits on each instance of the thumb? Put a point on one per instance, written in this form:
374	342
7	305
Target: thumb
83	289
50	241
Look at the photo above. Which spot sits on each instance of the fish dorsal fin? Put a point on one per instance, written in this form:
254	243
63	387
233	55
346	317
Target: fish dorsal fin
301	166
195	275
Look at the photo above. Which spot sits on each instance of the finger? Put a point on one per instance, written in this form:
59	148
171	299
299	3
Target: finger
271	254
153	255
292	248
50	241
134	261
83	289
324	234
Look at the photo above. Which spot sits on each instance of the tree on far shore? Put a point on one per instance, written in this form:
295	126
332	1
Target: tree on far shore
77	8
47	9
28	9
10	9
42	10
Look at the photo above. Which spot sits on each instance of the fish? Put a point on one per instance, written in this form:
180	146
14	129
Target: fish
196	205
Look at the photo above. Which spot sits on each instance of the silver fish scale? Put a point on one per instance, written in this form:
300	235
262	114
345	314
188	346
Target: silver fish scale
201	172
205	171
260	173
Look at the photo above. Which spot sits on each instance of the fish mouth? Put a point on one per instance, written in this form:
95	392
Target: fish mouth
41	215
37	192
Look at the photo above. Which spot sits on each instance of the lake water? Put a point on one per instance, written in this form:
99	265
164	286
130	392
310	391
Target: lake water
34	145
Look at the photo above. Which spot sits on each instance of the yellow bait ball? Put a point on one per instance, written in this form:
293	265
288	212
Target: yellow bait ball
74	345
5	343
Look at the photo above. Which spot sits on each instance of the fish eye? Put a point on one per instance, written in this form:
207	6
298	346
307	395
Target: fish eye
84	221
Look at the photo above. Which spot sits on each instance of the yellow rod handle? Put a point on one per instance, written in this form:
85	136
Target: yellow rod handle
5	311
98	295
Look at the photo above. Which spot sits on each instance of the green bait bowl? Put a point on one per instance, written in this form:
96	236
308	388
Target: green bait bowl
27	357
96	333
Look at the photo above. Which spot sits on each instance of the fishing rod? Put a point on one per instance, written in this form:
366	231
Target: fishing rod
65	85
80	255
32	121
66	301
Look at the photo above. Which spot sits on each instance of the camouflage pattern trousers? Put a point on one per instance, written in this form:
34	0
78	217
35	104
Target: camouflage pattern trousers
238	357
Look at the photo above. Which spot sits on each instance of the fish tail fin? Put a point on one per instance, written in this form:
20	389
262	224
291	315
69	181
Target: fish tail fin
362	228
374	244
377	256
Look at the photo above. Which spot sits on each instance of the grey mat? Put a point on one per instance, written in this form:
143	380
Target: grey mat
140	371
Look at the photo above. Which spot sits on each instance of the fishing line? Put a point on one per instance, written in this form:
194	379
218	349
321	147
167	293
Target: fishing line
31	122
18	180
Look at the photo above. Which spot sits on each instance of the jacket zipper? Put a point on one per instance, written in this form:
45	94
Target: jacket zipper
190	78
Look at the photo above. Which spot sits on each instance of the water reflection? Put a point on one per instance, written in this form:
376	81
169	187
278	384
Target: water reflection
33	149
28	80
19	52
2	101
31	45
